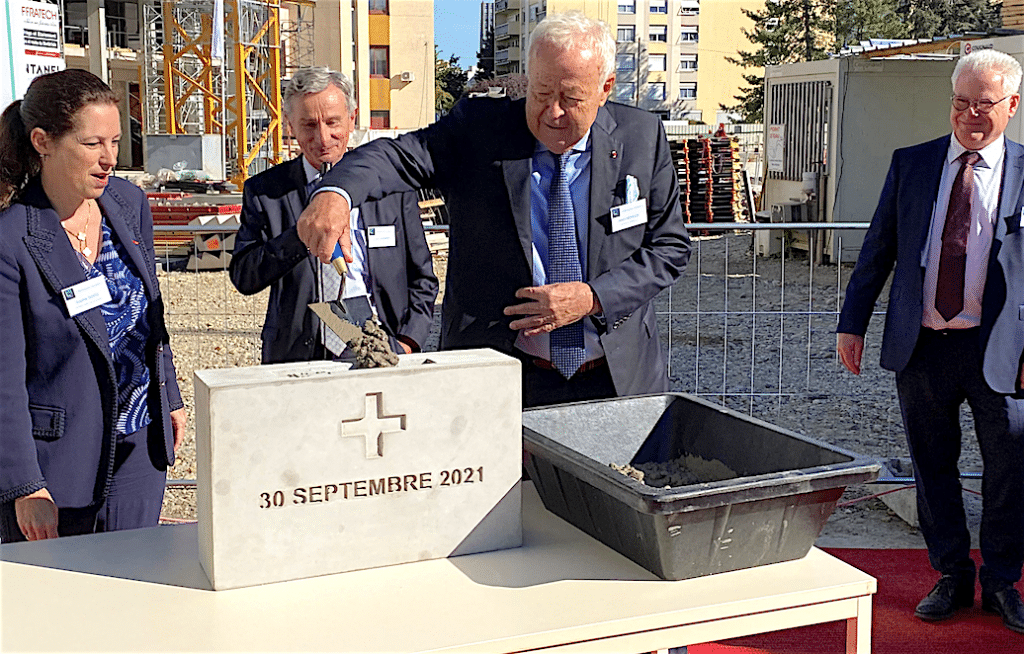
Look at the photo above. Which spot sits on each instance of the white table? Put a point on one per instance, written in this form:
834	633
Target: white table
562	591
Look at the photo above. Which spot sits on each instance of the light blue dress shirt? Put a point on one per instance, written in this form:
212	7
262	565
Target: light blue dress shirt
578	168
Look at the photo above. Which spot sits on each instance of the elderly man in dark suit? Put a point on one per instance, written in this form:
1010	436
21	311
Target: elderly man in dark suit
391	273
950	221
565	219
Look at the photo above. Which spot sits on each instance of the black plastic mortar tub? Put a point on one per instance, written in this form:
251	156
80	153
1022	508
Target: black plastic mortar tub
786	486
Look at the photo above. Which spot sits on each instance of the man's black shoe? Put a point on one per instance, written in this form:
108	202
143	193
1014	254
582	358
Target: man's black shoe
950	594
1006	603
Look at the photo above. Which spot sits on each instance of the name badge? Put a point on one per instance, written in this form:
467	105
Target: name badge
87	295
628	215
381	236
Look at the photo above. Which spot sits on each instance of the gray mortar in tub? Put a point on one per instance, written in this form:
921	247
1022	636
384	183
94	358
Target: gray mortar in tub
682	471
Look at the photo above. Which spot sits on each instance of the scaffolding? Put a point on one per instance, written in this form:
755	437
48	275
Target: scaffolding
188	90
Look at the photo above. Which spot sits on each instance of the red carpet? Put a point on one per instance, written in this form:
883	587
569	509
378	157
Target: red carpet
904	577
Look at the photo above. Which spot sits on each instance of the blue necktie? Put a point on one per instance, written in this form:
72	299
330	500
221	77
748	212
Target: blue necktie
567	351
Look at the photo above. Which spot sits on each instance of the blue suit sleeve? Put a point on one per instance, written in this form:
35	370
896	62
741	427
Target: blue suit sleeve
20	473
259	259
422	282
876	260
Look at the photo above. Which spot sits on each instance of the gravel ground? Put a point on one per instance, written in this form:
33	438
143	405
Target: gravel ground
763	344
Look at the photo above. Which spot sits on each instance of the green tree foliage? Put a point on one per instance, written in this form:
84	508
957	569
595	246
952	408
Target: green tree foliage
861	20
485	57
449	82
788	31
928	18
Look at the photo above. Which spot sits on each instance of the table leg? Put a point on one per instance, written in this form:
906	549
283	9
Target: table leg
858	628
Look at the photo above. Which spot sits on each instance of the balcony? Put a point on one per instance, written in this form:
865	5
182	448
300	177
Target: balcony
505	55
501	32
506	5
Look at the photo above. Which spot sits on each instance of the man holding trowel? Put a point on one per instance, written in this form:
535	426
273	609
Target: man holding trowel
391	277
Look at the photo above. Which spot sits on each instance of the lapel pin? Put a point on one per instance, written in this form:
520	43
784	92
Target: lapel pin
614	154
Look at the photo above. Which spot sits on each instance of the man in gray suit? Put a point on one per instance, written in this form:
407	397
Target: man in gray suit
949	220
565	219
392	274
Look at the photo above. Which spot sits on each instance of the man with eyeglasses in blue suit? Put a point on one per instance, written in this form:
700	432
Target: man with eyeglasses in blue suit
949	227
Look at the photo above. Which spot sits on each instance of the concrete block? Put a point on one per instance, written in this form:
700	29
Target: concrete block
307	469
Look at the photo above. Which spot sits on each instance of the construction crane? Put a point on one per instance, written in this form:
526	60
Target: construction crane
215	67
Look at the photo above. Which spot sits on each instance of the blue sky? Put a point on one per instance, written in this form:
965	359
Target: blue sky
457	29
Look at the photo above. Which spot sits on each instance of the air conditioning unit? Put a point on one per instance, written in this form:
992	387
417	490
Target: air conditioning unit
407	76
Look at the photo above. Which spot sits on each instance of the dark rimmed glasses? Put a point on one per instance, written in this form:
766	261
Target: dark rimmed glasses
980	106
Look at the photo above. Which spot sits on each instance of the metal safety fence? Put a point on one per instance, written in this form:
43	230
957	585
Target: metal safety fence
750	324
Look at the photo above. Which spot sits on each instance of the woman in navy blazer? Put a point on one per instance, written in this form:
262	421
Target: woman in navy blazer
90	412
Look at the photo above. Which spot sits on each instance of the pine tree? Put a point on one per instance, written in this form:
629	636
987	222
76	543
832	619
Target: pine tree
485	57
786	31
862	20
939	18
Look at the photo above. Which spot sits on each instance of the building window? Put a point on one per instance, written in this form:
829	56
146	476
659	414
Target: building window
688	62
656	62
659	6
624	92
689	34
379	61
658	33
688	90
625	62
689	7
627	34
378	6
380	120
656	91
627	6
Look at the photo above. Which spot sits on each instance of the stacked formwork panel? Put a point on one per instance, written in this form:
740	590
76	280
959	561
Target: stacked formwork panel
710	179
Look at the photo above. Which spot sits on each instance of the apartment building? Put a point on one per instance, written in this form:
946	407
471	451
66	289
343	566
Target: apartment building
670	54
486	21
387	47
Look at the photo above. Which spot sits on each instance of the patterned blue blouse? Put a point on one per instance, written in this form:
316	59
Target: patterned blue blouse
127	328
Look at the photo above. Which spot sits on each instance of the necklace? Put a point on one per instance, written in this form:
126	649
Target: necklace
82	235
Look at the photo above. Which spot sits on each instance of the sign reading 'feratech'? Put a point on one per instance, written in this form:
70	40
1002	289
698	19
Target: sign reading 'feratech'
313	468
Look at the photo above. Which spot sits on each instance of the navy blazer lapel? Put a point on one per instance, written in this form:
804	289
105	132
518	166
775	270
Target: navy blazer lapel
604	175
1011	198
124	222
58	262
297	201
926	177
517	165
297	177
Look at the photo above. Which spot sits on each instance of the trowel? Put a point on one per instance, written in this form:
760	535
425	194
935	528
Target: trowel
345	317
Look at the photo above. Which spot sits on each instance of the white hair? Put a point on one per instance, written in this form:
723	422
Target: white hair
307	81
989	60
575	30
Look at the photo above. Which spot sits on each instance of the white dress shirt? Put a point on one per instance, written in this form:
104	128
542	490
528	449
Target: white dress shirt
988	175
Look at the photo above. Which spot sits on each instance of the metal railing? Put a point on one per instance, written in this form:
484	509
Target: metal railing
753	332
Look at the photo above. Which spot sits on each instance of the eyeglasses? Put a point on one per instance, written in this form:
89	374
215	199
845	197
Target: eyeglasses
980	106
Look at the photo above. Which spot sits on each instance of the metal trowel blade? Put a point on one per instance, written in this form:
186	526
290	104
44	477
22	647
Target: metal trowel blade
327	312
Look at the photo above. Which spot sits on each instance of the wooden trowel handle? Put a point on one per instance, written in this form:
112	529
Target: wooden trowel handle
338	260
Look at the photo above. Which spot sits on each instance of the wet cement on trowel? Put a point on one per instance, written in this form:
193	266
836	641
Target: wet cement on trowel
372	349
682	471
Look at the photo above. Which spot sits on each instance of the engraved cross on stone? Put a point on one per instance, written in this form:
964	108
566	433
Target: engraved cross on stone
373	425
